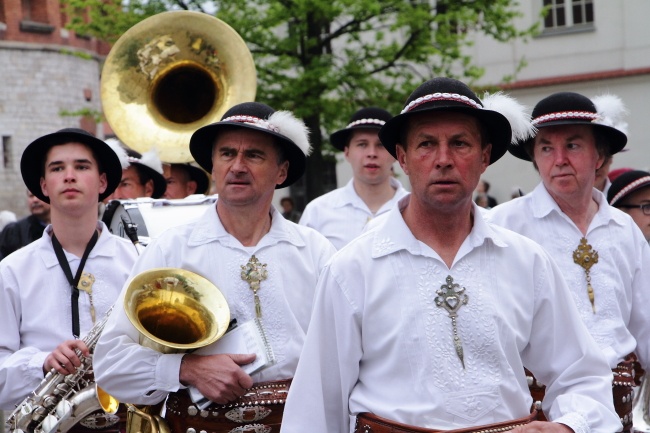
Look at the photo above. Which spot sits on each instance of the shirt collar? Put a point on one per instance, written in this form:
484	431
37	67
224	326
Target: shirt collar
543	204
393	234
103	247
349	195
209	228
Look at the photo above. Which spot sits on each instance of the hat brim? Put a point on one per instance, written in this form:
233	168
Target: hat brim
497	126
341	138
615	138
33	159
203	139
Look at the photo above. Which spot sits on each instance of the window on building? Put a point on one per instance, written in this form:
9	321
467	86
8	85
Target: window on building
568	15
5	148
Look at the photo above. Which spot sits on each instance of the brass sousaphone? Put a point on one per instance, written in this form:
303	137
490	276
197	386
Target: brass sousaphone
169	75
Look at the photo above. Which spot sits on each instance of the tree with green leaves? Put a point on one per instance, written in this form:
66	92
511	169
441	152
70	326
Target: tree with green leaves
323	59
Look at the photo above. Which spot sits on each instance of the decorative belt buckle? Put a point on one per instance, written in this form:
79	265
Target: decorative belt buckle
248	414
252	428
100	420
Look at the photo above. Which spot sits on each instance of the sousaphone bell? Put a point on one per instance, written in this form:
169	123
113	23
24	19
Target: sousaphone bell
169	75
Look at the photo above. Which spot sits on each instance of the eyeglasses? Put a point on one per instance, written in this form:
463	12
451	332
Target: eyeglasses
645	208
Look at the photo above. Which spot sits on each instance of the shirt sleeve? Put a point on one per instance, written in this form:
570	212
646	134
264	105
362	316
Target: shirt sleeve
329	364
639	325
124	368
577	376
21	369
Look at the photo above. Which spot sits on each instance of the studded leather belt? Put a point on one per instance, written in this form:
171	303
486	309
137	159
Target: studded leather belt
258	411
371	423
627	374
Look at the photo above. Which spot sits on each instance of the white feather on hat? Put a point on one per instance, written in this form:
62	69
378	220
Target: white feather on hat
292	128
151	159
511	109
118	148
611	110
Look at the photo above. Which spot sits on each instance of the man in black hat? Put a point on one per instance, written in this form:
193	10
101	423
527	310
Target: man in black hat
602	254
424	322
142	177
630	192
341	215
54	290
184	180
266	267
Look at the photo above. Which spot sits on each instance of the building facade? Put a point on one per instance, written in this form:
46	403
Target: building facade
592	47
50	80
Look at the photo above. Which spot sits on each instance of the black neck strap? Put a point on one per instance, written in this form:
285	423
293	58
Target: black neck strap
60	255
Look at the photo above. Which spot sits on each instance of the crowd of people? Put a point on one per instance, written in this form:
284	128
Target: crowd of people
375	309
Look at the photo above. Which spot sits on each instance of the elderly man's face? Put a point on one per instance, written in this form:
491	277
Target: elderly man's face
245	167
567	159
443	159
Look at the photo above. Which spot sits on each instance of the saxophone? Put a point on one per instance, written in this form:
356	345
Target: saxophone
61	401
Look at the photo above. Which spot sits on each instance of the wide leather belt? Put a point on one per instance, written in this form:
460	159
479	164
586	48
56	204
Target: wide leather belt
371	423
627	374
258	411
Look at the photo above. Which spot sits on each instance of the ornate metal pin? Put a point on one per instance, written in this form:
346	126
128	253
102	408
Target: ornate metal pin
451	297
254	273
86	282
585	256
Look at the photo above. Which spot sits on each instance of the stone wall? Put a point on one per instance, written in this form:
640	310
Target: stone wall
38	83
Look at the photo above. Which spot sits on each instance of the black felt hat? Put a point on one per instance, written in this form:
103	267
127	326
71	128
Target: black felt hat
290	133
569	108
449	95
627	183
32	162
365	118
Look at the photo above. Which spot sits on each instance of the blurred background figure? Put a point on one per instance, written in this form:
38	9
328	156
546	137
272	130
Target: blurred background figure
612	175
185	179
516	192
482	201
630	192
482	189
143	177
289	211
26	230
343	214
602	182
6	217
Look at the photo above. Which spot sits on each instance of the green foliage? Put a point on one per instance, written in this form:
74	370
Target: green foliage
80	54
97	116
323	59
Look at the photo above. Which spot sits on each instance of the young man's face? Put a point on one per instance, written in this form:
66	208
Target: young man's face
245	167
371	163
444	159
71	179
